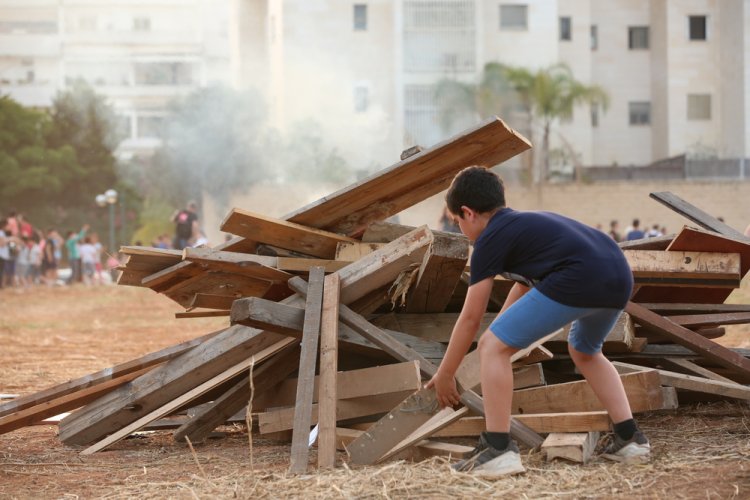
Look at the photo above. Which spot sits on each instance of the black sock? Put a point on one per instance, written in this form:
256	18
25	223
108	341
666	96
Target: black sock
625	429
498	440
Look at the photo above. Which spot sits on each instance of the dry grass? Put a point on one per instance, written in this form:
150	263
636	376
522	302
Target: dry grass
52	335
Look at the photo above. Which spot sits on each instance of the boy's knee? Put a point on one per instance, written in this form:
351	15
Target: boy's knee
490	345
578	356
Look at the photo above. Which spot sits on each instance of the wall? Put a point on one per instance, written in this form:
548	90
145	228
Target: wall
590	203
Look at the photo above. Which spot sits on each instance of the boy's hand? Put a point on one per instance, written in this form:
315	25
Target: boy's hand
445	388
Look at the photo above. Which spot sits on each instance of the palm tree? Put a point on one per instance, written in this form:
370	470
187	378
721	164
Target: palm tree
551	94
546	95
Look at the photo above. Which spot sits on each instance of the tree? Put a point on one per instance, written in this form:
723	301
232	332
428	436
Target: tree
551	94
546	95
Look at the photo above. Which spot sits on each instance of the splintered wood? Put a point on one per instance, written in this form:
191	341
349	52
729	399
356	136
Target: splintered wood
344	317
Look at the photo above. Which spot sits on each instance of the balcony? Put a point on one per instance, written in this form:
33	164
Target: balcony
30	45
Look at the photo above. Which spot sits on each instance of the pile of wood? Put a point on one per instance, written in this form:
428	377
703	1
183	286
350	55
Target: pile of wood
337	318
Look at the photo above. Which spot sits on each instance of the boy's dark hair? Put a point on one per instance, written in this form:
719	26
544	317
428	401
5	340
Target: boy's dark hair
477	188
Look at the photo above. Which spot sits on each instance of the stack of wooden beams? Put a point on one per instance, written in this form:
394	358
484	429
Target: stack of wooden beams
337	318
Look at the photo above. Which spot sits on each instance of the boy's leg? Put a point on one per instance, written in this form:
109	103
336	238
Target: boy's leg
584	345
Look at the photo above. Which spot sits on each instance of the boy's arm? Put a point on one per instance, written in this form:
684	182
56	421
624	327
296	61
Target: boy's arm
462	336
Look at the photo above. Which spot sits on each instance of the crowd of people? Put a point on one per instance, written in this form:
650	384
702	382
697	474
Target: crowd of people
30	256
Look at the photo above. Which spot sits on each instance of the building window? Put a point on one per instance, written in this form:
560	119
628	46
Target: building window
594	114
699	106
697	27
640	113
360	17
594	37
361	98
565	29
141	24
638	37
514	17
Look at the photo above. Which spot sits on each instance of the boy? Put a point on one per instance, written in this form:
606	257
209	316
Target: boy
565	272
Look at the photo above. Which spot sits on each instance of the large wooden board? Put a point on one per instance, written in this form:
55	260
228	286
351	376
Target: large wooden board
350	210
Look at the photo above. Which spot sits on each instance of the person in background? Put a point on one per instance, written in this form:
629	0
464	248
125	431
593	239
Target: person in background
74	257
4	250
35	260
635	233
52	243
186	225
88	254
23	263
654	232
613	231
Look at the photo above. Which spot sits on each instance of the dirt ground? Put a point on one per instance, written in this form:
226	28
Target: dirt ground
50	335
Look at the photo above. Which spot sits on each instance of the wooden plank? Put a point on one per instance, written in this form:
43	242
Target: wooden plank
299	265
208	301
303	238
655	243
216	283
100	377
696	215
164	383
691	383
437	326
288	319
576	447
738	365
351	252
350	210
421	450
690	308
683	265
643	390
329	333
214	414
439	273
710	320
62	404
308	355
693	369
254	266
542	423
275	420
371	381
186	397
200	314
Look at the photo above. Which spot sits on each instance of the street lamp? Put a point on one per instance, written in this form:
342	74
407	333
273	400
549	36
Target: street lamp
109	198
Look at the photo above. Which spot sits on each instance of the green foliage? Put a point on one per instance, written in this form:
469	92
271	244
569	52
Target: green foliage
54	163
154	220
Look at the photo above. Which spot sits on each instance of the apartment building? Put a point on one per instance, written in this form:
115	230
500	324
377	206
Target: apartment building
677	72
140	54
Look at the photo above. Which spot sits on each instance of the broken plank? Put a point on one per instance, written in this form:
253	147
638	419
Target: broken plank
62	404
308	357
186	397
691	383
200	314
329	333
93	379
164	383
576	447
214	414
255	266
423	449
693	369
306	239
737	364
695	214
710	320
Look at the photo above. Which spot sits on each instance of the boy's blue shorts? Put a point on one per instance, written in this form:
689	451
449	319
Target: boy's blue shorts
535	315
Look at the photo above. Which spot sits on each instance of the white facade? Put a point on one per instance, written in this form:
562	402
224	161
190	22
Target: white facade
366	69
140	54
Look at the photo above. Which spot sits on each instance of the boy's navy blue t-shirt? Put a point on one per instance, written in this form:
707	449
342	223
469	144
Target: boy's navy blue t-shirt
567	261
